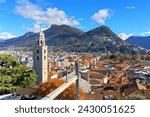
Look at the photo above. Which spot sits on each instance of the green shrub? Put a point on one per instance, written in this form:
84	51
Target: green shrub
136	97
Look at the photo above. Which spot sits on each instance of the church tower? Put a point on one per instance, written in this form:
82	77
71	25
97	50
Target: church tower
40	59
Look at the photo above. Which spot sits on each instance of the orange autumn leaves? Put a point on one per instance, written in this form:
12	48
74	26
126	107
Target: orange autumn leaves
69	94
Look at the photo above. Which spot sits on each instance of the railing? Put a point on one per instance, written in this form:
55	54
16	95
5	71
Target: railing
72	74
71	79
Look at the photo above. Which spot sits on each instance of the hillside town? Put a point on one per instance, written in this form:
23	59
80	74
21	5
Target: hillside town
101	77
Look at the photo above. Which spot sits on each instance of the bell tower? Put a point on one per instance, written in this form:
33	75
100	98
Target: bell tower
40	59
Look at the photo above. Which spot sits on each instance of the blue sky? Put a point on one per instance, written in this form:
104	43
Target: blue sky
124	17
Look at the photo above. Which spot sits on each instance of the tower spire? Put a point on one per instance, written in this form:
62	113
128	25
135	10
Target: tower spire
41	40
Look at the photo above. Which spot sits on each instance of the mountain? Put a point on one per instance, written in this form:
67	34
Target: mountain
100	39
139	41
24	40
2	40
54	35
58	34
67	38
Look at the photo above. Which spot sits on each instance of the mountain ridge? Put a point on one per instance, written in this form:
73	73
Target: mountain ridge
100	39
143	41
53	34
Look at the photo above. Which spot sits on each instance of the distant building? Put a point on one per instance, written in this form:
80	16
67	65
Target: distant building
40	57
52	75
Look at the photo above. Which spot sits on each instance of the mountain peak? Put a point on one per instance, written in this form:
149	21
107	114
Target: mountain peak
101	32
103	26
56	25
62	29
103	29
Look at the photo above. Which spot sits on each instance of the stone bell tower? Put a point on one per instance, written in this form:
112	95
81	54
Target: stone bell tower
40	59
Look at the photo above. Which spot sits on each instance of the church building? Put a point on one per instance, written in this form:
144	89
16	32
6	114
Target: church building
40	59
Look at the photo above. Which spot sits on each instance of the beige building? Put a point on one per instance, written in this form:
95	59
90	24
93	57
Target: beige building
40	59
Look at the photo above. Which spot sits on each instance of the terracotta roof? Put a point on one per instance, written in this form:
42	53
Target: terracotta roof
122	65
27	91
98	69
93	96
105	61
98	64
122	80
115	80
118	67
145	93
148	86
96	75
92	72
147	69
140	86
53	65
111	75
130	90
111	85
125	80
52	73
94	82
117	73
97	89
111	93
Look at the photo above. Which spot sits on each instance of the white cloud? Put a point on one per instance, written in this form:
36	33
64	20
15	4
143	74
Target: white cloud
101	16
130	7
35	28
6	35
47	17
124	36
146	34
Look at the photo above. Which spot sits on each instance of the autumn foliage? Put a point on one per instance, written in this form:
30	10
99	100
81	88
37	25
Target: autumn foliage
69	94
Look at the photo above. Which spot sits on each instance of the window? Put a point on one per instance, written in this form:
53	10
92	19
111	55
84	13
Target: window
37	57
41	42
44	57
44	51
37	51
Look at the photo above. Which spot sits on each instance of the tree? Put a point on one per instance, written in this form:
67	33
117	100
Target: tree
10	60
69	94
136	97
17	77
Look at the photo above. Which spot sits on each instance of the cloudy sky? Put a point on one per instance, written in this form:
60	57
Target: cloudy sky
124	17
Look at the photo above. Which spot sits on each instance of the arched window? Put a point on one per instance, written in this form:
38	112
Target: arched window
41	42
37	51
44	51
37	57
44	57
